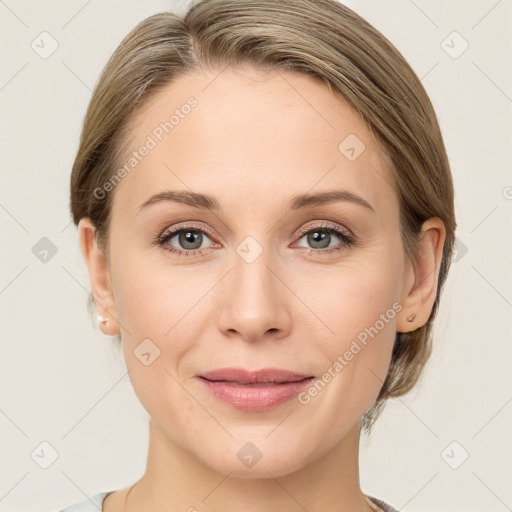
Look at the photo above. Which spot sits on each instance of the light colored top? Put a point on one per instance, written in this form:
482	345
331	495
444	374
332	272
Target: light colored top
95	504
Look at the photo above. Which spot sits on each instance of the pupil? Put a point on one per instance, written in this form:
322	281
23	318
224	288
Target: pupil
189	237
319	237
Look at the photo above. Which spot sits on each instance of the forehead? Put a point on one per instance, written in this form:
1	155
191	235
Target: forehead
252	134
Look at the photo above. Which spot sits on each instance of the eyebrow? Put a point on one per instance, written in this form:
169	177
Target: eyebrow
208	202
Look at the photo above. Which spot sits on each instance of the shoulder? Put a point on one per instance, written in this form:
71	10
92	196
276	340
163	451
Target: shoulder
383	505
92	504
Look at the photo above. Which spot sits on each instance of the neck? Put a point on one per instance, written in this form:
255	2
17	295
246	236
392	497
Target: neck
177	480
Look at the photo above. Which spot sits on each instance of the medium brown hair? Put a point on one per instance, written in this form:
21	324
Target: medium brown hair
321	38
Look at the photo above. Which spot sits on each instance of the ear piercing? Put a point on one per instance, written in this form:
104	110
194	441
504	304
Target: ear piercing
104	320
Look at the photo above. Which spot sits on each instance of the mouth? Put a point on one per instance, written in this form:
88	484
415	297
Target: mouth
254	391
254	384
263	376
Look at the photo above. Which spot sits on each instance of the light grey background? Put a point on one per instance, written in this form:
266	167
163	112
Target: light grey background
61	381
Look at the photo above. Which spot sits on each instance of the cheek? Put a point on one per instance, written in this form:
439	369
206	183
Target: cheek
153	295
350	298
356	364
357	308
162	395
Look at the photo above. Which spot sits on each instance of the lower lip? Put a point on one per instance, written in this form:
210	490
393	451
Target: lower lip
255	397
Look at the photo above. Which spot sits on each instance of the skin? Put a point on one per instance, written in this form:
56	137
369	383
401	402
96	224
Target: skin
254	140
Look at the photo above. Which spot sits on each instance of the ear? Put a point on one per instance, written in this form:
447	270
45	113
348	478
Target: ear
421	278
99	275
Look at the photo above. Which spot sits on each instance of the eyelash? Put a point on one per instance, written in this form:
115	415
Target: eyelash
347	239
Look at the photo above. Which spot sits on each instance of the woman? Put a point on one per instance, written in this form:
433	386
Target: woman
265	207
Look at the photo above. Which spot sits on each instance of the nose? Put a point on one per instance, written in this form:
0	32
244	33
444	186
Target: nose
255	302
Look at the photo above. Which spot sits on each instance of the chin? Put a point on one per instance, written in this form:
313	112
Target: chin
261	458
261	470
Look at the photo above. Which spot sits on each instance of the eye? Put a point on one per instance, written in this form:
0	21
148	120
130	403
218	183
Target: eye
189	240
321	237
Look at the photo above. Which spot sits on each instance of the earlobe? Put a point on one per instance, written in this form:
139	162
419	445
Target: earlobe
422	275
99	277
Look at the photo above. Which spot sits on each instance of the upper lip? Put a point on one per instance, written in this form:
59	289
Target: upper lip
275	375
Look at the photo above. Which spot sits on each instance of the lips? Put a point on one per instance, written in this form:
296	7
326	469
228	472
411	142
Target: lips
254	391
263	376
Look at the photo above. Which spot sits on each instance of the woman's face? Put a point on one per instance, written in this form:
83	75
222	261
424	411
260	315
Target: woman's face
258	284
